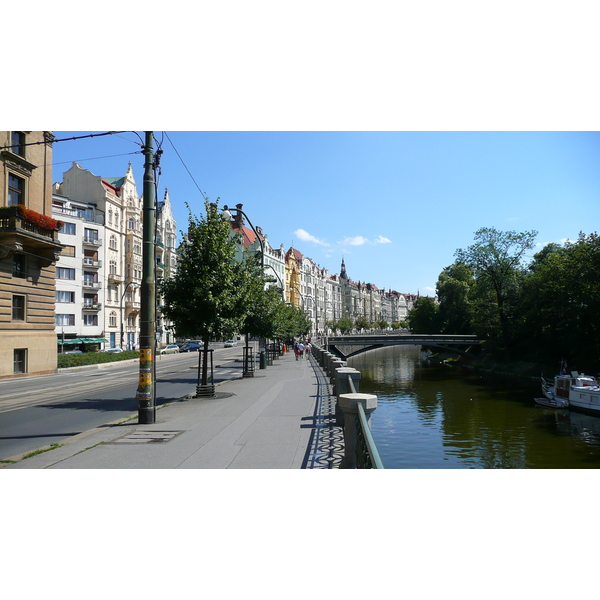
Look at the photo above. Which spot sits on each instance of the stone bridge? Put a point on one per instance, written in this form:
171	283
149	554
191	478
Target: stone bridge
350	345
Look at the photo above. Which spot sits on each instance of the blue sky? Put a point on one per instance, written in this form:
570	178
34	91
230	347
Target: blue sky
395	205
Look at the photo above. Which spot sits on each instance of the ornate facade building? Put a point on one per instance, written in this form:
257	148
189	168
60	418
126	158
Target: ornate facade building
100	277
29	248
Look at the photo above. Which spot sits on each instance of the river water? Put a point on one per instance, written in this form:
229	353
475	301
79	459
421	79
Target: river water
432	416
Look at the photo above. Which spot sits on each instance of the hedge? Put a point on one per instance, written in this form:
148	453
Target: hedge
94	358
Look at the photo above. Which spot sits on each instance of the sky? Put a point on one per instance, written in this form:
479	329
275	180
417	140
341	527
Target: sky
394	205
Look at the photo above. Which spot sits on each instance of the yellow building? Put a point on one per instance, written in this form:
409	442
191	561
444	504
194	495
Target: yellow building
29	248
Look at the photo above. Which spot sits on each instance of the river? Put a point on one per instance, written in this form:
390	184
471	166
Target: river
432	416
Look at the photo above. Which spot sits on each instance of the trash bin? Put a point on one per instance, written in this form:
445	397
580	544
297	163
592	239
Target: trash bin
263	359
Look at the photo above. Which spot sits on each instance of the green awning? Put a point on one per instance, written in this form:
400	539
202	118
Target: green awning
83	341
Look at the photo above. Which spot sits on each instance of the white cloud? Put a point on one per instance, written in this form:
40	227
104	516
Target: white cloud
306	237
382	240
359	240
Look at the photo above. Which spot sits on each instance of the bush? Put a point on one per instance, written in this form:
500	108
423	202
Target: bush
94	358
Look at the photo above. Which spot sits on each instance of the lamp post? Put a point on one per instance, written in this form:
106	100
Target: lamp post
146	388
246	370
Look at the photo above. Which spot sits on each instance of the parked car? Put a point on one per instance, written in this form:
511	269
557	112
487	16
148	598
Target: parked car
170	349
113	350
191	347
73	352
230	343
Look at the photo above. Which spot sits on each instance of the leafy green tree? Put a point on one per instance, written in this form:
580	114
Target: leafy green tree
454	286
345	325
207	297
495	259
422	318
561	302
362	323
382	324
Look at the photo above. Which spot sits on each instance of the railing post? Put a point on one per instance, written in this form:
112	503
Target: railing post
347	381
348	404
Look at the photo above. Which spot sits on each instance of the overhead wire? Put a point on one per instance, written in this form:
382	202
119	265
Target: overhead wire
183	163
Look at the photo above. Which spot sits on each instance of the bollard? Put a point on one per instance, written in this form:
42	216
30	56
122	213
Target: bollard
348	404
263	359
342	386
336	363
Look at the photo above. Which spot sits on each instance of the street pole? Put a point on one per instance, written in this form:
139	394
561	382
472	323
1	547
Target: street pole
145	391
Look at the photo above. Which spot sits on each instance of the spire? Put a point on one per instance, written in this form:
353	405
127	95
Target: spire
343	274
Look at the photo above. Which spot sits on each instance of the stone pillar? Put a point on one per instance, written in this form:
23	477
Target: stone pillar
336	363
348	404
342	386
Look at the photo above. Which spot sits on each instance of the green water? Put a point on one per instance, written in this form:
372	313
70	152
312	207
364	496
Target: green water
435	417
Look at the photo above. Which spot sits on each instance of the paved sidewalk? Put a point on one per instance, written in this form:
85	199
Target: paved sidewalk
282	418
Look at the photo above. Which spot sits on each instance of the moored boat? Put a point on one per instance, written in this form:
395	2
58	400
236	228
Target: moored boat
553	402
577	390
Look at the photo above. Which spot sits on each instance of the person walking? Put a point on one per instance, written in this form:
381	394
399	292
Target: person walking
301	349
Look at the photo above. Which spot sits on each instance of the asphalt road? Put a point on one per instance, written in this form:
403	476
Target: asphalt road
39	411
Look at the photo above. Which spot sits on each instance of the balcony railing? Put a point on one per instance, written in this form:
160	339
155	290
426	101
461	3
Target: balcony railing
115	278
90	262
92	306
91	285
92	241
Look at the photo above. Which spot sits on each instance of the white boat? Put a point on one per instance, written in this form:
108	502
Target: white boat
578	390
553	402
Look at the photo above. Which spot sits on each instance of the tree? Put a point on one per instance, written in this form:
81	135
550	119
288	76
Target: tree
362	323
207	297
345	325
454	286
422	318
495	259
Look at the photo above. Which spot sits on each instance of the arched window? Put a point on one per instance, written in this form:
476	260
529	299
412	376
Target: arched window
113	242
112	319
131	223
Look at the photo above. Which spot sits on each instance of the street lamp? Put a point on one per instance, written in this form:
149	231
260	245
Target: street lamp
227	216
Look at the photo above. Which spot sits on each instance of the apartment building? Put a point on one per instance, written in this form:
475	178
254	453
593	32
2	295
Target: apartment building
29	248
79	275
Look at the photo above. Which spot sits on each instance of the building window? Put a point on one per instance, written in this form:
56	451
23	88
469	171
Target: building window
112	242
68	228
18	308
20	360
131	223
112	267
16	190
64	273
112	319
64	296
19	265
68	251
65	320
90	234
17	142
90	320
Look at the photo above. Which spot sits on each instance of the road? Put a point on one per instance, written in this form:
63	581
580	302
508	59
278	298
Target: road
39	411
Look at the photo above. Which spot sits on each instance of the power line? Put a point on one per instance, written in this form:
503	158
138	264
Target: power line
181	159
64	162
79	137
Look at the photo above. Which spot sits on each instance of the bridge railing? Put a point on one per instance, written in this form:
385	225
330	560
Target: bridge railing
353	412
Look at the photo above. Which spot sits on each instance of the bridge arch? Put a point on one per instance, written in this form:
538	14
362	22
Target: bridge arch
348	346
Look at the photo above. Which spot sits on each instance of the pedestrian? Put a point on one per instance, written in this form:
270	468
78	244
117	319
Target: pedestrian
301	349
308	348
296	350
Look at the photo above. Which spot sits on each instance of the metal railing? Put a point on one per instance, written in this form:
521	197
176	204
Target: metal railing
367	455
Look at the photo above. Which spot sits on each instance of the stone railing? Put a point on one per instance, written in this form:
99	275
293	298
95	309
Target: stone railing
353	412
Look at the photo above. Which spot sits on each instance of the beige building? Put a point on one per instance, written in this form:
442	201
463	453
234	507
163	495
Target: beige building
29	249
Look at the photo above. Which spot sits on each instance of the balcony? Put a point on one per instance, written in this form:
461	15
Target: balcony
88	284
133	306
91	241
23	230
92	306
91	263
115	278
